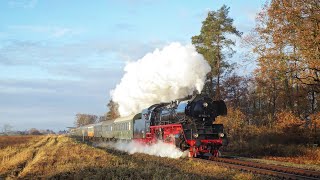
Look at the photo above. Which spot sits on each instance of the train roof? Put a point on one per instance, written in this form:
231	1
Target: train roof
107	122
120	119
97	124
88	125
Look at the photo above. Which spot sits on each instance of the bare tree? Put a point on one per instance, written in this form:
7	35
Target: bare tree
85	119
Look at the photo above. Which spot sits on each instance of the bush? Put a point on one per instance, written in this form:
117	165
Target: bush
34	131
287	137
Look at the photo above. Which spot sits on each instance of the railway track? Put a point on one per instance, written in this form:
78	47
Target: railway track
282	172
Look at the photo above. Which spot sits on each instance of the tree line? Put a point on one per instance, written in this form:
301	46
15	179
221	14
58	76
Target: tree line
280	99
285	44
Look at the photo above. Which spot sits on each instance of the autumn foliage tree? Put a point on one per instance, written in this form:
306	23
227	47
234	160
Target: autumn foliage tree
297	23
113	112
295	28
280	102
286	41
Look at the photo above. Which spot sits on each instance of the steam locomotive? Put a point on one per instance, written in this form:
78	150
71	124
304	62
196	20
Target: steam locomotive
186	123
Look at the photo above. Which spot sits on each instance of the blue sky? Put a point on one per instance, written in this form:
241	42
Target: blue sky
59	58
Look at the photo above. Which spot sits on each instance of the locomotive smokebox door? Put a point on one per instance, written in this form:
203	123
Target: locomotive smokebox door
217	128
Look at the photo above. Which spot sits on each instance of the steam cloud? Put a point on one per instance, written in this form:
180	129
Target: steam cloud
161	76
158	149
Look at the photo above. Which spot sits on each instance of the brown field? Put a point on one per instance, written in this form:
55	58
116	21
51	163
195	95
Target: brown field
59	157
14	140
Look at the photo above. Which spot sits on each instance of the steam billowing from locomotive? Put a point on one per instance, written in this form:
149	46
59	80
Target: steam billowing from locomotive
160	148
161	76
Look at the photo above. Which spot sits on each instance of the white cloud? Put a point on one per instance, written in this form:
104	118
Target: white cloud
52	31
3	35
28	4
16	52
61	32
14	90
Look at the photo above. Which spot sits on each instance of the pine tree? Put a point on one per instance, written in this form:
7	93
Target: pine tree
212	42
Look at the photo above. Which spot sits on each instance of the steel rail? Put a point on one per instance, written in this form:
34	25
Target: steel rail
265	169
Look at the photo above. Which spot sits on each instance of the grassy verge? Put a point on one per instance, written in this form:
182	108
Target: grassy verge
286	154
58	157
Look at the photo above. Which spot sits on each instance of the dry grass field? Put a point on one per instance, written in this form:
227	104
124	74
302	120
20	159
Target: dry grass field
311	157
59	157
14	140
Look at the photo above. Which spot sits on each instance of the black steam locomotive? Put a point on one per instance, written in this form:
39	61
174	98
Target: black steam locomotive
187	123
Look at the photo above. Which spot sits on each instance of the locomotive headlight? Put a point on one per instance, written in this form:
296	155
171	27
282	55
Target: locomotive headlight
195	135
205	104
221	135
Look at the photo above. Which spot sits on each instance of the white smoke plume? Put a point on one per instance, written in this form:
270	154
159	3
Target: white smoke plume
158	149
161	76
